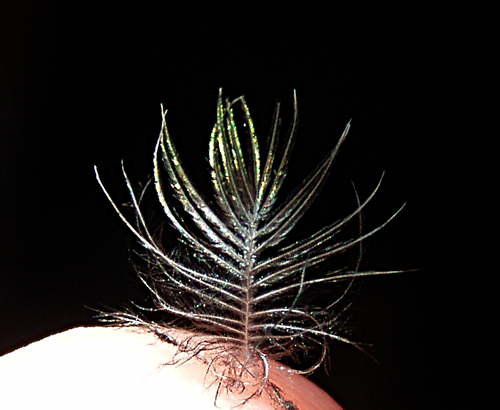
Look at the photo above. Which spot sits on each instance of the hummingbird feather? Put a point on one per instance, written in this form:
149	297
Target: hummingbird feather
229	278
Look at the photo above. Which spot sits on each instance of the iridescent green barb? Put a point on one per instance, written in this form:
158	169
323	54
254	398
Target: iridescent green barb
225	280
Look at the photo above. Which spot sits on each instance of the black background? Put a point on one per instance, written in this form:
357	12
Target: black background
81	84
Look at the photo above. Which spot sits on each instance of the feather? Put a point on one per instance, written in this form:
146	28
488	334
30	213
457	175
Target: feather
229	278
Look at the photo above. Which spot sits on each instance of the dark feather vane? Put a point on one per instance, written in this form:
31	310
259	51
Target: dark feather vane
232	280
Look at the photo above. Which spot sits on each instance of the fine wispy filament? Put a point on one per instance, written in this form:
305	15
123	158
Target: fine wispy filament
229	278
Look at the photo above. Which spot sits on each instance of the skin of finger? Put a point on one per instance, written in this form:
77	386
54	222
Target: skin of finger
111	368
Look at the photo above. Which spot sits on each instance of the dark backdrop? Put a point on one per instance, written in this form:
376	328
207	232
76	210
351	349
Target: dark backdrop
82	85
